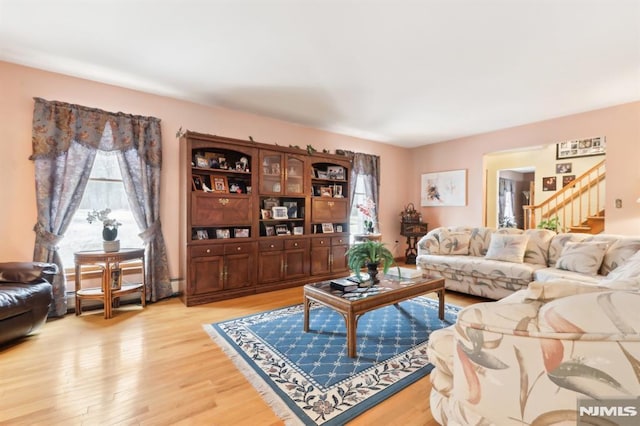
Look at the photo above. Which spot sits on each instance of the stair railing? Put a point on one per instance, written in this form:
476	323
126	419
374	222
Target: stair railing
573	204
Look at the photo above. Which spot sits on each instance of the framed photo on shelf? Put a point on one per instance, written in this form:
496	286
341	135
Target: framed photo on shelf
266	214
335	172
338	228
196	183
322	174
292	209
282	230
298	230
327	228
202	234
223	233
241	233
279	212
269	203
201	161
269	231
236	186
219	184
337	191
326	191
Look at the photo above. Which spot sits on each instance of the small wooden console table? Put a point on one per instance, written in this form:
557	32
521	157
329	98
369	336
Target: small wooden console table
112	288
413	231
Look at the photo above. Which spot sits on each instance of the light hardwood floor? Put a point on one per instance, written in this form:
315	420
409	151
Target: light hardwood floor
156	366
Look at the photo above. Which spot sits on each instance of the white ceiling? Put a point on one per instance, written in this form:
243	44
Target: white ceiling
402	72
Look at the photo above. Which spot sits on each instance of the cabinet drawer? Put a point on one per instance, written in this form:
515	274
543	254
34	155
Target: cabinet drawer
211	250
271	245
339	241
321	242
238	248
208	210
329	210
295	244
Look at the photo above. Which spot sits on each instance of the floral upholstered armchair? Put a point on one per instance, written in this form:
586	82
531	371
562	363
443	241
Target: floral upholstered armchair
528	358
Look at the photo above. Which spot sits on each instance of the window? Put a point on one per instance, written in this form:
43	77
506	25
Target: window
105	189
356	224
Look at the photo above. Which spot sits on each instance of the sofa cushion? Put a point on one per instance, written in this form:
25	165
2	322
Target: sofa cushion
454	243
507	247
558	242
582	257
538	246
626	275
479	267
618	252
552	274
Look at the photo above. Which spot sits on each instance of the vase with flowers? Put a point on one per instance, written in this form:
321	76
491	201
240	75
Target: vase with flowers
109	228
368	211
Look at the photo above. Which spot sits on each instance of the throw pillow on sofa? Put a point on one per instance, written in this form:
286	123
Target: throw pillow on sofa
625	276
582	257
507	247
454	243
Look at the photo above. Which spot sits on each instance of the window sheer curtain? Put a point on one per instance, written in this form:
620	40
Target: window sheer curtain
366	166
65	141
506	189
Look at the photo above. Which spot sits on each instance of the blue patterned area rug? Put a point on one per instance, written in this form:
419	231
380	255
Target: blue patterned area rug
307	378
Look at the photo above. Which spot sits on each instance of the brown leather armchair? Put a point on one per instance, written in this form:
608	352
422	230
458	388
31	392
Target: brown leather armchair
25	296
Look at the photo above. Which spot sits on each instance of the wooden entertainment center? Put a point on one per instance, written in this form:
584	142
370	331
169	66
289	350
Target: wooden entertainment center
256	217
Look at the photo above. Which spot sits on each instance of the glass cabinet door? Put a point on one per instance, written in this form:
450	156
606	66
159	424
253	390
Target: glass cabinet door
294	176
272	173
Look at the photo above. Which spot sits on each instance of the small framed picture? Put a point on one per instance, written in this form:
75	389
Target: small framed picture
269	203
338	228
265	214
335	172
223	233
298	230
219	184
562	168
327	228
549	183
326	191
279	213
236	186
241	233
282	230
202	234
292	209
322	174
196	183
337	191
566	180
202	162
222	161
270	231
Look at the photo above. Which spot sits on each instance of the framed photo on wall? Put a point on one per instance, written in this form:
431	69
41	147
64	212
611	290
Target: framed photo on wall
566	180
562	168
581	148
549	183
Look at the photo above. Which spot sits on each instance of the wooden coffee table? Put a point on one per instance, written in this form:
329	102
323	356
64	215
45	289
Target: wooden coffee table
389	291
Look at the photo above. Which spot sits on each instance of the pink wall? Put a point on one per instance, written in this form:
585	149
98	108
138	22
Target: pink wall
21	84
619	124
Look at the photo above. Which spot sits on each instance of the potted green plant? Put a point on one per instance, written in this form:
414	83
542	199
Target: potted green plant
370	254
552	223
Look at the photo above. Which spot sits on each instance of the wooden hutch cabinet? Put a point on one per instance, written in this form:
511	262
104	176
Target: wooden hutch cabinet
257	217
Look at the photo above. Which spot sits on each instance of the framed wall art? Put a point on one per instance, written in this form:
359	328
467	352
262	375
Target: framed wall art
549	183
581	148
444	188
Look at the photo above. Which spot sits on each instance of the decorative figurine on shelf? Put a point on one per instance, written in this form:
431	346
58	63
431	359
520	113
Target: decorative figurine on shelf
410	214
368	210
109	228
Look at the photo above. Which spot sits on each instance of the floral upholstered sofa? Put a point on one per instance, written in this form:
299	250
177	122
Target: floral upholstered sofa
495	263
529	358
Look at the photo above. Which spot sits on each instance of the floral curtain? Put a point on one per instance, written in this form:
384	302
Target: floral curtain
366	166
65	140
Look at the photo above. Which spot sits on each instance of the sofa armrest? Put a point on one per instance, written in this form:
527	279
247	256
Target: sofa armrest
429	243
27	272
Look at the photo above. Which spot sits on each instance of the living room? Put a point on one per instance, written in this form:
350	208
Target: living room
401	166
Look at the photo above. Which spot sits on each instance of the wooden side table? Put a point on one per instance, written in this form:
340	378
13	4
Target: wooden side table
413	231
361	238
111	288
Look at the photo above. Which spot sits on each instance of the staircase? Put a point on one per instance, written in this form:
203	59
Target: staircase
592	225
579	206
